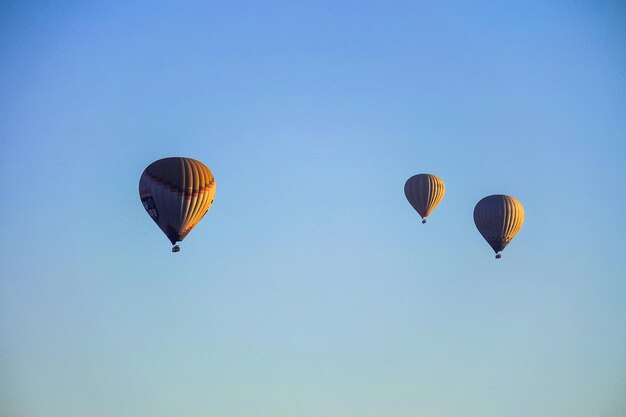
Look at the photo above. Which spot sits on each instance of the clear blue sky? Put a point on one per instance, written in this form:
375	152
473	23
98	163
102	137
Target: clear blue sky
311	288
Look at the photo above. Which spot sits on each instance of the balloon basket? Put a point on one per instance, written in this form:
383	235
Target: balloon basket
176	248
498	256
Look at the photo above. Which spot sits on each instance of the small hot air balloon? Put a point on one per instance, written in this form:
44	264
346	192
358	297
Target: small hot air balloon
176	193
424	192
498	218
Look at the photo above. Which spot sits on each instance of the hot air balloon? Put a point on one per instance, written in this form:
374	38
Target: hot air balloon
498	218
176	193
424	192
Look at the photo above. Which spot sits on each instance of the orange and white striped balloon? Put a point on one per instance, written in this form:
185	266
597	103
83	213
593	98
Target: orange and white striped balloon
176	193
498	218
424	192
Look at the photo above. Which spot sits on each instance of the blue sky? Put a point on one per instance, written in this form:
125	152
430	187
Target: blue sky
311	288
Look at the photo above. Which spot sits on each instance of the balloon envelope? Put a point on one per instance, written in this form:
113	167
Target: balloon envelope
498	218
424	192
176	193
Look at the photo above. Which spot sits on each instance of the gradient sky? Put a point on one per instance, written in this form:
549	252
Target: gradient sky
311	288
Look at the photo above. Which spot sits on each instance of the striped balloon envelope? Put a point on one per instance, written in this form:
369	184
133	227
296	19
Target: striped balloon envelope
424	192
498	218
176	193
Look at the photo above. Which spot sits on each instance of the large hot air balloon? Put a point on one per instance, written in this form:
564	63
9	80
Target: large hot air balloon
424	192
176	193
498	218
